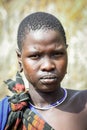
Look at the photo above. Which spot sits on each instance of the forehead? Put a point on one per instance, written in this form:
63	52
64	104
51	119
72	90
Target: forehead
43	38
45	35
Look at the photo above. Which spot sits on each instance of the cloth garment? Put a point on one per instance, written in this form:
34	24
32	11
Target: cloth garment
4	111
18	115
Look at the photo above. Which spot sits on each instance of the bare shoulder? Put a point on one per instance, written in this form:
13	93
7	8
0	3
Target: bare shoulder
76	94
77	100
82	94
83	97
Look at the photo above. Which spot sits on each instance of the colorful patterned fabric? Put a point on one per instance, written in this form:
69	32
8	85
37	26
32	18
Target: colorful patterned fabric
21	117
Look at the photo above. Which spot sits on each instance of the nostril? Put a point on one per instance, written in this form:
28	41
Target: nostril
48	65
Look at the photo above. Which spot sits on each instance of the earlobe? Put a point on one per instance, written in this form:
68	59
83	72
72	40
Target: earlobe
19	60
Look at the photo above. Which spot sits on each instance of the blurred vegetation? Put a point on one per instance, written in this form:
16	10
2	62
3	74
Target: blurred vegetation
72	14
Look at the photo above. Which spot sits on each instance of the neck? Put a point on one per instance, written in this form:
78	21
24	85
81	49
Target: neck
42	99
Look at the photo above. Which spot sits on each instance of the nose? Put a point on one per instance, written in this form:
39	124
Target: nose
47	64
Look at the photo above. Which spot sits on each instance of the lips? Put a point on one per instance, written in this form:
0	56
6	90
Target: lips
48	79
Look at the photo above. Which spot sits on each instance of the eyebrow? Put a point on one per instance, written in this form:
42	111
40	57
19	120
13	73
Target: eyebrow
41	51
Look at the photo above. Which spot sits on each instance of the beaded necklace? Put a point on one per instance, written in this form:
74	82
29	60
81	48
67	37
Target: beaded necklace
57	103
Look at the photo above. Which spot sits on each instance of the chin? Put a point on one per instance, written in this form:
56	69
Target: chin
47	90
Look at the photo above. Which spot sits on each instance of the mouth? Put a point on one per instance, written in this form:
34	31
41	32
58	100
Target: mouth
48	79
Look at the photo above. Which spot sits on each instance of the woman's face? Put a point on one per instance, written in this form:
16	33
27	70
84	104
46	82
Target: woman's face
44	59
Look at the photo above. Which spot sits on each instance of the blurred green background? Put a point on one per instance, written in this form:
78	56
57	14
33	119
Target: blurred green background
72	14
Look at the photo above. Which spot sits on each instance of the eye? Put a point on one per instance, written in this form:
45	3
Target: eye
57	54
34	56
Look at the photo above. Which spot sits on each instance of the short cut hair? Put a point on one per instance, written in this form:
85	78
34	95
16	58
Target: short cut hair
37	21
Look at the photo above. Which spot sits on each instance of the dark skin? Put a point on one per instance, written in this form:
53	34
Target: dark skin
44	61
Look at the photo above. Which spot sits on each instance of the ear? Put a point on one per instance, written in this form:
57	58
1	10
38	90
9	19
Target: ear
19	60
67	45
18	55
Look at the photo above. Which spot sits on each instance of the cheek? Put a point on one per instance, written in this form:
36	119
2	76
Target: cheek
62	66
29	70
